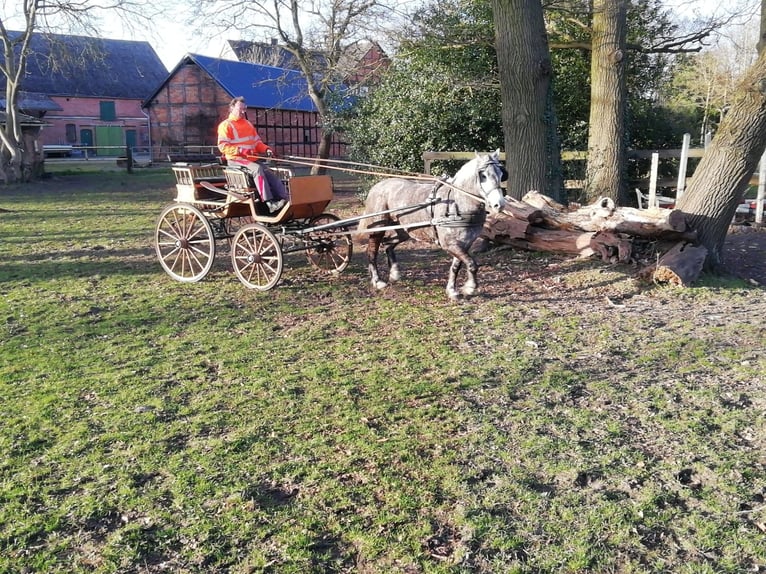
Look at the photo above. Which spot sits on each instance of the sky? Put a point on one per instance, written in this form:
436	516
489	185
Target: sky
173	38
177	39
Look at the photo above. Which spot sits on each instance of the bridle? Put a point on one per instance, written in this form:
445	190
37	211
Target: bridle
453	217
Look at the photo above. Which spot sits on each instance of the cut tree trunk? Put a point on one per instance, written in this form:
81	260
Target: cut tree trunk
605	215
539	223
681	265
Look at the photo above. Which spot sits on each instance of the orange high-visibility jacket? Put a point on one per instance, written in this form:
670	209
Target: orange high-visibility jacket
238	137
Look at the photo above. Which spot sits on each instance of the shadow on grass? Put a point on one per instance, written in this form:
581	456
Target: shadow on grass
79	263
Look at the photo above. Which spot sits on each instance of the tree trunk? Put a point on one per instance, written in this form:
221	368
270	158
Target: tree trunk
524	67
323	152
681	265
722	177
606	138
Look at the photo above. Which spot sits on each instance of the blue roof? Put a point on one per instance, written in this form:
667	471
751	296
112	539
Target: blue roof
262	86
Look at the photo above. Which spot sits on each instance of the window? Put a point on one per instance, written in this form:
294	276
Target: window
107	112
71	133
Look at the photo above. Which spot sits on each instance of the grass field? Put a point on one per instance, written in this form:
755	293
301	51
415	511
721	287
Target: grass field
567	419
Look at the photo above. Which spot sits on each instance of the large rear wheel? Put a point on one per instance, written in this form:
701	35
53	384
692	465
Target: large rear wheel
257	257
184	242
328	249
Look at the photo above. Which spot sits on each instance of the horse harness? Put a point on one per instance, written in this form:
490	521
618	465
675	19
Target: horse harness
453	218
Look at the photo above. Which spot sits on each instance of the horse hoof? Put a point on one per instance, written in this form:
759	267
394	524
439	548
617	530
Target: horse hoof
453	295
469	291
380	284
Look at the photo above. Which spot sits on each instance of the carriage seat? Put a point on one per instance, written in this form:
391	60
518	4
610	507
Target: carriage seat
240	179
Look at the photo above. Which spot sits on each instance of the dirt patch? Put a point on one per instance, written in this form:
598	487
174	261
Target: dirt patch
745	253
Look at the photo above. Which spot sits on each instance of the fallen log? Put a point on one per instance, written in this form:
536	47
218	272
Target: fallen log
500	226
554	240
681	265
603	215
612	247
539	223
522	211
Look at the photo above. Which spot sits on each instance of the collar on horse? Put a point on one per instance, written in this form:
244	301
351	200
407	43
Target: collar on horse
453	217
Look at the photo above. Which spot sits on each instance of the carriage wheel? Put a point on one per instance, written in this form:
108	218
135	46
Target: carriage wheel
257	257
184	242
234	224
327	249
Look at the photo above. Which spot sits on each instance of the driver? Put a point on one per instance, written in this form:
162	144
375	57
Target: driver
238	140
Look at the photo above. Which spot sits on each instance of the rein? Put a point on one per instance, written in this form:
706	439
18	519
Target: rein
375	170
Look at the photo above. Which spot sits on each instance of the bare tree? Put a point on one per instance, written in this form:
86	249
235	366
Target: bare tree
16	30
722	177
320	35
12	68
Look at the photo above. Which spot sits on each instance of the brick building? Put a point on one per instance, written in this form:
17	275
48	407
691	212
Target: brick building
184	111
89	91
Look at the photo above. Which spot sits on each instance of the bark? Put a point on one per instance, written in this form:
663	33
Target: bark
722	177
681	265
524	68
606	140
323	152
604	215
554	240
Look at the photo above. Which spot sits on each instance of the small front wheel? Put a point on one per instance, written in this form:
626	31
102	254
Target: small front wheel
256	257
328	249
184	242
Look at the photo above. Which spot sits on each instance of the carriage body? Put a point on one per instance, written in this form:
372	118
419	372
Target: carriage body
309	195
215	202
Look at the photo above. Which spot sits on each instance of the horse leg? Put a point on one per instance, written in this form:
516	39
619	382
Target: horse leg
454	269
460	258
373	246
471	282
394	274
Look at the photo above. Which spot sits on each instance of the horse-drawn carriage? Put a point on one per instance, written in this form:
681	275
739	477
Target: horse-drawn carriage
215	202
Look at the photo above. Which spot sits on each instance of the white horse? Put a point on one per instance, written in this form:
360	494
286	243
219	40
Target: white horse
450	213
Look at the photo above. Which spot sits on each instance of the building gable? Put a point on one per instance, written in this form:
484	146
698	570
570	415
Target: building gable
264	87
271	54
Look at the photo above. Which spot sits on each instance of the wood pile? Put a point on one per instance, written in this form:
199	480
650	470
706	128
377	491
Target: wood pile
601	229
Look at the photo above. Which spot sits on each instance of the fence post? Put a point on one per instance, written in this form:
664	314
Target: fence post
129	158
681	187
653	180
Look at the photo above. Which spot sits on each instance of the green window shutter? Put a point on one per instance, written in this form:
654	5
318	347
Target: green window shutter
108	113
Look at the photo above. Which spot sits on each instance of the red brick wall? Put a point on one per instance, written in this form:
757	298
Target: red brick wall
84	113
189	107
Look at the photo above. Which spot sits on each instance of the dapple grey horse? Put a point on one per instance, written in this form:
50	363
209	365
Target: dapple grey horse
450	213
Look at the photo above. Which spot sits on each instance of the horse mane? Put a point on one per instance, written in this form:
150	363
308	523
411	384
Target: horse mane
467	176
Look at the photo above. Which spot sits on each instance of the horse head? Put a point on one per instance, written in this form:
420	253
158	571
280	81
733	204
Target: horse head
491	174
484	174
